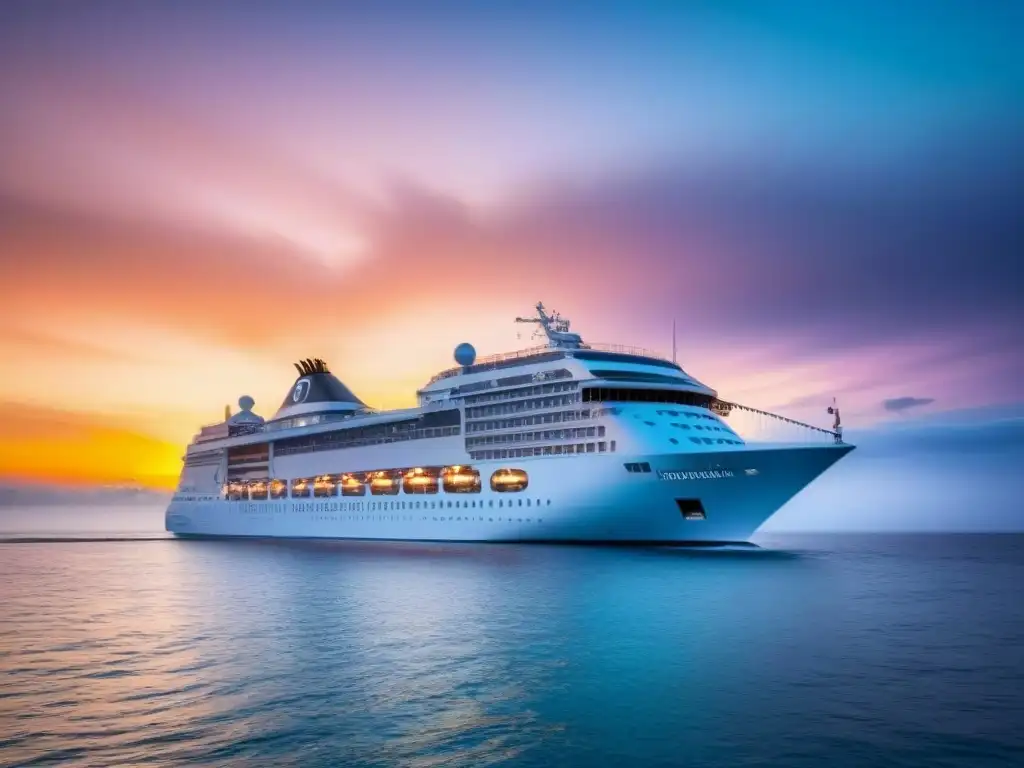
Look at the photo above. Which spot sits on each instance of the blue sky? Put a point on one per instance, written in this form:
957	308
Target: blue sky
826	199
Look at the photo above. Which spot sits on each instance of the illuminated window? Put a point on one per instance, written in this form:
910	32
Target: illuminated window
352	486
325	486
279	489
460	479
509	480
302	488
257	490
237	491
384	483
420	480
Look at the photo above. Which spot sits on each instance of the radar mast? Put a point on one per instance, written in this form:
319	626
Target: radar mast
555	327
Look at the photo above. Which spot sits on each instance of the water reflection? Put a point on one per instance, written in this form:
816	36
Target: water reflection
300	653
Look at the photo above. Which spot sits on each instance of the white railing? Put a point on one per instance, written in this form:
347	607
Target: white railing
482	364
756	425
623	349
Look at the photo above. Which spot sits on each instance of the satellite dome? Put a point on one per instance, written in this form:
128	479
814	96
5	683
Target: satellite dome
465	354
245	416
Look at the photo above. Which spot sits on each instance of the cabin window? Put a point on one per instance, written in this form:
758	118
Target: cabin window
236	491
420	480
325	486
460	479
279	489
626	394
302	488
257	490
641	466
384	483
352	486
249	454
509	480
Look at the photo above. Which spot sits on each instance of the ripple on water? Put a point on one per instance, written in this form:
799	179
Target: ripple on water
236	654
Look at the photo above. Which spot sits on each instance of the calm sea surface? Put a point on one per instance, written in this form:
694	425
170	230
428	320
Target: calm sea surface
846	650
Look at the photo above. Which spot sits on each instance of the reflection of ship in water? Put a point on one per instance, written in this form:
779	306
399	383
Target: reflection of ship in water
564	442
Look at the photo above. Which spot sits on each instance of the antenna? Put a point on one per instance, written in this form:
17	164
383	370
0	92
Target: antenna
555	327
837	426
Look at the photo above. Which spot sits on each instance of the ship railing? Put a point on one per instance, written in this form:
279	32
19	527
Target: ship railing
222	430
624	349
482	363
757	425
209	432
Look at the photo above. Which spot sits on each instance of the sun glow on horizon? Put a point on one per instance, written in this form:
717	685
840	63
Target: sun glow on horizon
184	213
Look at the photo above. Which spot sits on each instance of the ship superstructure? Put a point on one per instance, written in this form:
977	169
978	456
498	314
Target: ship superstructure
564	442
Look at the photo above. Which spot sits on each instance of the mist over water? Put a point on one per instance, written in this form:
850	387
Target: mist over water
59	521
869	491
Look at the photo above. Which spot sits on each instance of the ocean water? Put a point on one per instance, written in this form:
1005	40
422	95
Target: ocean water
126	647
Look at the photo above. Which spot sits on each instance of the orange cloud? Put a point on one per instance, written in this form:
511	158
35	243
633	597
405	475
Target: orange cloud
50	445
142	328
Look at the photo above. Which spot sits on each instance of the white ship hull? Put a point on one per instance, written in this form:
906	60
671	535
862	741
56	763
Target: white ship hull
562	443
577	499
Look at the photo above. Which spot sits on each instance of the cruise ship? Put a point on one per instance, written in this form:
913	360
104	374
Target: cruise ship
566	442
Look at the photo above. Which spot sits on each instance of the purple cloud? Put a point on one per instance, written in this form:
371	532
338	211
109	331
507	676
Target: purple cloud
900	404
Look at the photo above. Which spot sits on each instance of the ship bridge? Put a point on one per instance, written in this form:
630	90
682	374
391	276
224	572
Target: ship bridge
612	366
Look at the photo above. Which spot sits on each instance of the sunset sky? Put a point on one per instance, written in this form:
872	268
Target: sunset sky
827	198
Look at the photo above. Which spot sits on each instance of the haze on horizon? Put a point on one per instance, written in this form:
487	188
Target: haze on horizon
825	198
